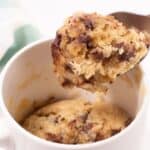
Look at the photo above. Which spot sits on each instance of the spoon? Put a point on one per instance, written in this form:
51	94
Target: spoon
141	22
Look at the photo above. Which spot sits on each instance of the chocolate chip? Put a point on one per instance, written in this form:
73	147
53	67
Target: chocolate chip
129	51
99	137
96	54
88	24
62	119
89	81
66	83
57	119
118	75
126	56
147	45
39	114
68	68
147	42
89	45
56	42
53	137
86	39
70	39
115	131
42	114
110	82
83	38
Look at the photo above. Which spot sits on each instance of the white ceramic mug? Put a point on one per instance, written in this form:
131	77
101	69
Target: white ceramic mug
28	79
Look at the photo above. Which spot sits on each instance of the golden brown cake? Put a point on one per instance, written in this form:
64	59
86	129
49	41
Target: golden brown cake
91	50
77	121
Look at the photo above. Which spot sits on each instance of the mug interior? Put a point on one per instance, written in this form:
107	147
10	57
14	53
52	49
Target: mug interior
30	81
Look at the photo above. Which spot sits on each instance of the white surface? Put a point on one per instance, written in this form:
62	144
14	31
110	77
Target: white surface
50	14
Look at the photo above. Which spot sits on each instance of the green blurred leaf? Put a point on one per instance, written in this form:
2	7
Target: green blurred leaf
22	36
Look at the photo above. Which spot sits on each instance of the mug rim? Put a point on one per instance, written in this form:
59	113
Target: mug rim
50	143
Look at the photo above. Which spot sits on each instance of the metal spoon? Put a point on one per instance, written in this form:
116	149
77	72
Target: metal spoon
141	22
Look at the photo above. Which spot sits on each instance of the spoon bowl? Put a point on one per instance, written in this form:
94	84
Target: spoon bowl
141	22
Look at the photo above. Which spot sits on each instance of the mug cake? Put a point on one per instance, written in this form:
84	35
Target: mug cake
89	51
77	121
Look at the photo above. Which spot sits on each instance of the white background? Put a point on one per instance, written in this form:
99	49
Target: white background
48	15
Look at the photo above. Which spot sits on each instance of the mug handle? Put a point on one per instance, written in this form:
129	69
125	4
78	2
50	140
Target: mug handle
6	142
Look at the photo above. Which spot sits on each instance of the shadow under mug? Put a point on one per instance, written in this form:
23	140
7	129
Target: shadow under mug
28	80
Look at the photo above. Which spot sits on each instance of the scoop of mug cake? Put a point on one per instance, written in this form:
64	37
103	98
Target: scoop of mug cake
91	50
77	121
